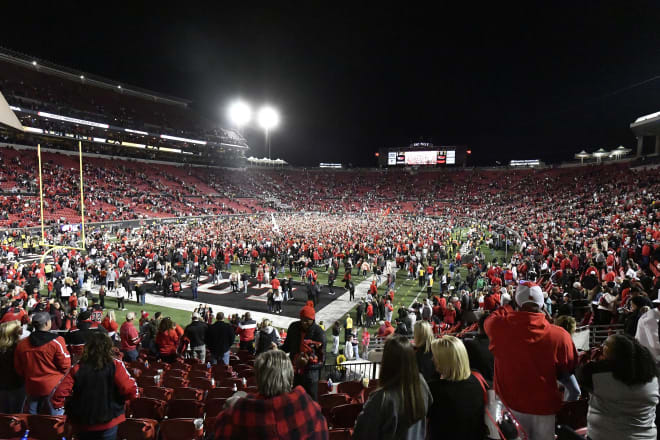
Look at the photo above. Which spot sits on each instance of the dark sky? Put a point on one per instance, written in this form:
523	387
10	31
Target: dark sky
522	82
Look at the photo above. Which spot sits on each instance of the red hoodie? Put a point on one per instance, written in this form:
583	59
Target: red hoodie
530	354
42	359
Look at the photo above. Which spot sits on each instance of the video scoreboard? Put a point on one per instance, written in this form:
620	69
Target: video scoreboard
426	157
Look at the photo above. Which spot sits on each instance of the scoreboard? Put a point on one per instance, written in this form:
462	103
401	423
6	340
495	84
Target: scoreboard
444	156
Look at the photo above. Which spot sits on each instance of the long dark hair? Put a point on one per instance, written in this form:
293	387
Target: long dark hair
399	373
98	351
633	363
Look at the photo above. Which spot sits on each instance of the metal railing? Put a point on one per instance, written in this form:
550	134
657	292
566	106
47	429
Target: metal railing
350	370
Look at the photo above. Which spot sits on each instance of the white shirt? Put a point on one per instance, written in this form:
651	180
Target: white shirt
647	332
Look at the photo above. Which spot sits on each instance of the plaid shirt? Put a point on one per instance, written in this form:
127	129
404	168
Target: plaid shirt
288	416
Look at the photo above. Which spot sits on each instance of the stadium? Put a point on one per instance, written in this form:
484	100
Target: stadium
159	280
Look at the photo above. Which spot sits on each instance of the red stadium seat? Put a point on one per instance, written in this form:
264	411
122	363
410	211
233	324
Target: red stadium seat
185	409
340	434
13	425
213	408
201	383
47	427
220	392
344	416
189	393
175	382
138	429
148	408
205	374
176	372
160	393
180	429
353	388
231	382
329	401
145	381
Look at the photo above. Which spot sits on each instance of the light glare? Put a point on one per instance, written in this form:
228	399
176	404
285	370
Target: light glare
239	113
268	118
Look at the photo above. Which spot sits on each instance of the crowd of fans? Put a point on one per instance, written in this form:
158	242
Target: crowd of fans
584	250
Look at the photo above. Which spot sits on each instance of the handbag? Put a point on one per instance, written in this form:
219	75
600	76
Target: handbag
499	419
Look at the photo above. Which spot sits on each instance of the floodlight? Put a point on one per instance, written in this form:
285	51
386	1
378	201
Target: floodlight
82	76
268	118
34	63
239	113
119	87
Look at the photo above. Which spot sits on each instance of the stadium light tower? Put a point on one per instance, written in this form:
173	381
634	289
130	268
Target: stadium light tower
239	113
268	118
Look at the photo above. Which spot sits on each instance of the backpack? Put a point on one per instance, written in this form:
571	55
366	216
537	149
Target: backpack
265	341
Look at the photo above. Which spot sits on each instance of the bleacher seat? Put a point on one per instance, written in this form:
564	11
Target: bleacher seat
179	429
48	427
185	409
13	425
138	429
344	416
148	408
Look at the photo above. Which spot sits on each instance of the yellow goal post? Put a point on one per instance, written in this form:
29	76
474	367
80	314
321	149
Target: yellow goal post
82	205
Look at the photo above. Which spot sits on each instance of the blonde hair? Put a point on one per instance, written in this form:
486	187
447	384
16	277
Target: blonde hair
450	358
274	373
111	314
567	323
265	323
423	335
9	334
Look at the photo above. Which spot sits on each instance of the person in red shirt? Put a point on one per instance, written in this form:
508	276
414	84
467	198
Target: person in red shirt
41	359
110	323
129	337
167	339
15	313
97	378
530	356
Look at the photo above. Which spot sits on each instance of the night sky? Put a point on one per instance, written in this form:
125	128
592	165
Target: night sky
517	83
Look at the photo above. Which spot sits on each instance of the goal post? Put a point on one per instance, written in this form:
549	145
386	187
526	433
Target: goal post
82	204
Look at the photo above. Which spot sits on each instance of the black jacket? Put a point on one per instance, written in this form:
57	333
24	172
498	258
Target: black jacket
220	337
292	343
196	332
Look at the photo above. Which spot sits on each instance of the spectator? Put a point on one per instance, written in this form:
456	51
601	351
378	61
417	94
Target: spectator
335	337
481	359
246	330
129	338
457	411
41	359
109	323
79	334
530	355
280	410
12	387
398	408
267	338
167	339
647	331
95	390
423	336
220	339
196	333
624	391
305	343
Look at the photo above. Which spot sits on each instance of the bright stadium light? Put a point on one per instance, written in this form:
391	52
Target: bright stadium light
268	118
34	63
239	113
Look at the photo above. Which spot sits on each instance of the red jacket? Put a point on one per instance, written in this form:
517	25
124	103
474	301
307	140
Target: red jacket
42	359
168	342
129	336
15	314
530	355
123	381
246	330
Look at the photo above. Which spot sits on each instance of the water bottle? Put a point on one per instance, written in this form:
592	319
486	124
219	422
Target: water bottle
329	385
26	435
234	388
146	364
208	365
244	382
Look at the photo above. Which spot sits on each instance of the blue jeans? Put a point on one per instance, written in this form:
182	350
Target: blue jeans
106	434
130	355
194	292
225	358
37	404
